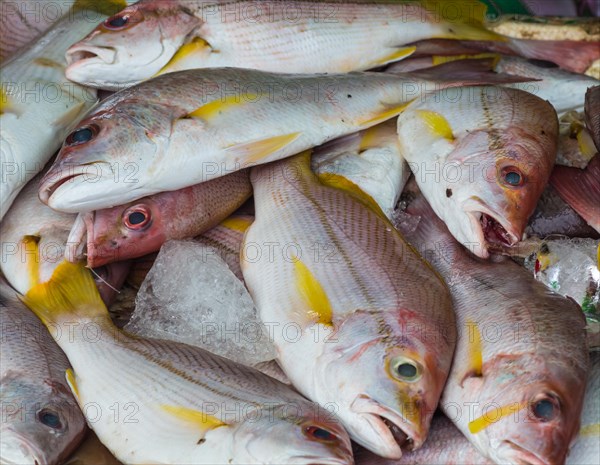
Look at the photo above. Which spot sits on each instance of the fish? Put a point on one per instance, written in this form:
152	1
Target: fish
482	157
34	239
177	403
565	90
370	159
141	227
510	391
592	114
38	104
448	446
92	452
340	286
41	421
205	123
155	37
580	189
575	145
23	21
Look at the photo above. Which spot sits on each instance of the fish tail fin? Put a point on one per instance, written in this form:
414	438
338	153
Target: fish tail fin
576	56
71	293
461	20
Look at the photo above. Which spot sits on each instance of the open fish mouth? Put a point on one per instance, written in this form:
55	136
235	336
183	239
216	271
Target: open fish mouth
49	187
521	456
79	54
496	233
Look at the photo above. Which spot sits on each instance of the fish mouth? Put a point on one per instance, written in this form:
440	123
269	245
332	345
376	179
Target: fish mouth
77	241
390	426
19	452
521	456
86	54
49	186
492	231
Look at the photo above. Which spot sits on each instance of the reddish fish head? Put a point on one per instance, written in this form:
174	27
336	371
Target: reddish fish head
529	413
119	233
131	46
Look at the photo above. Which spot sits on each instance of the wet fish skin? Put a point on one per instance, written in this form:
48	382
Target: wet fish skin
506	362
464	146
39	105
342	271
204	124
181	396
592	114
34	239
41	421
323	37
111	235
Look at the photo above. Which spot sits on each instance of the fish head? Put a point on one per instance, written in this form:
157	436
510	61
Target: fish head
311	435
388	380
105	157
130	46
41	423
530	419
120	233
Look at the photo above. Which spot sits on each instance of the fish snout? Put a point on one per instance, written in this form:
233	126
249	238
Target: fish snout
15	450
517	454
89	54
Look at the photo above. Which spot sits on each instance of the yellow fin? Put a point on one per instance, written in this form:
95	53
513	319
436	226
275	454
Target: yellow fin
487	419
475	349
105	7
47	63
72	383
439	59
7	104
252	152
319	307
195	47
340	182
237	223
386	114
586	144
210	110
69	294
437	124
32	258
203	421
590	430
378	136
398	54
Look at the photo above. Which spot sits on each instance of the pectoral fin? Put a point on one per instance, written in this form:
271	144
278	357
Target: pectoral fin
475	367
32	258
196	50
196	418
217	107
318	307
70	375
397	55
384	115
436	123
252	152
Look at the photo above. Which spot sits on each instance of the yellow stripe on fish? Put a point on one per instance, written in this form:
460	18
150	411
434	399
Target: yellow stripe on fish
236	223
437	124
216	107
313	294
399	54
475	349
32	258
590	430
203	421
441	59
487	419
70	375
104	7
253	152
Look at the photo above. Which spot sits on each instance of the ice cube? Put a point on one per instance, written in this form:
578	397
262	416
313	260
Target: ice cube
190	295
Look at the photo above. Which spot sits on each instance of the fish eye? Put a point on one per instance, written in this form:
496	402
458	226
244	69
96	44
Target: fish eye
137	218
116	22
82	135
50	418
512	176
405	369
545	409
320	434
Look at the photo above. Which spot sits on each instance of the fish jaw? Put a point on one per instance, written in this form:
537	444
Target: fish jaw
16	450
510	452
111	59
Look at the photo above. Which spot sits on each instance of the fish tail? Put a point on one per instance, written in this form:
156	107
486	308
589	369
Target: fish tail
70	294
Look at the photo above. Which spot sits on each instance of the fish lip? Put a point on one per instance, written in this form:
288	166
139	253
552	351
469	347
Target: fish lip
81	231
523	456
32	452
379	416
49	186
86	54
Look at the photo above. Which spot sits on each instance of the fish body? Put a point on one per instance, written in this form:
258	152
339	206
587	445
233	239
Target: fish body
34	240
370	159
298	36
482	157
41	421
39	105
203	124
342	288
580	189
177	403
592	114
141	227
510	391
